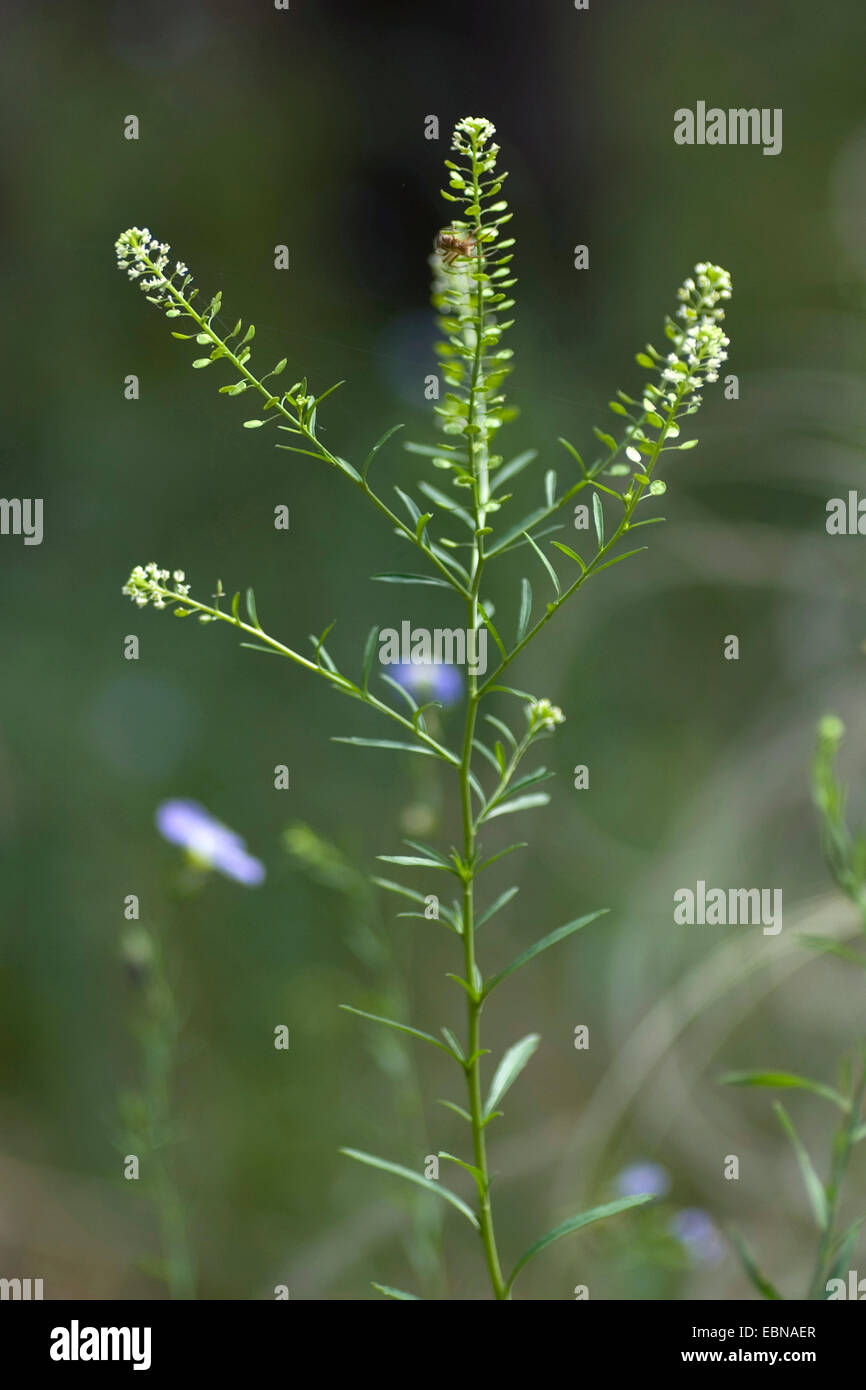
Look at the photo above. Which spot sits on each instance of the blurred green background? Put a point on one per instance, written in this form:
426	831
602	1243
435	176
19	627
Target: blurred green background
306	127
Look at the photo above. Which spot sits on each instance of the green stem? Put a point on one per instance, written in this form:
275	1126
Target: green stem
475	1005
842	1147
477	449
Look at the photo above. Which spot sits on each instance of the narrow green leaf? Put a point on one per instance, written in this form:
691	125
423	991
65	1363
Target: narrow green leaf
811	1181
495	906
413	862
572	554
412	508
575	1223
546	941
386	743
458	1109
574	454
399	1171
521	844
380	443
369	655
597	569
844	1249
525	610
503	729
395	578
598	518
547	565
521	803
760	1281
400	1027
468	1167
429	850
784	1080
386	1289
443	500
515	466
251	610
509	1069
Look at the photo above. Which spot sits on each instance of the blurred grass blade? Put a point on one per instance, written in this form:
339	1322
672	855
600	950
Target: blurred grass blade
784	1080
814	1186
395	1293
760	1281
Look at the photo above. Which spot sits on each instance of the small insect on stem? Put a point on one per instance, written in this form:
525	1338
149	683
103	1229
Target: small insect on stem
450	244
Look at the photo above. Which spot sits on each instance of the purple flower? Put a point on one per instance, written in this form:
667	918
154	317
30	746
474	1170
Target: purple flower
643	1176
697	1232
207	841
429	680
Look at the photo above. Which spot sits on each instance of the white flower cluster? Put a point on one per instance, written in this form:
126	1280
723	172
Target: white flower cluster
475	130
700	346
147	584
140	254
544	715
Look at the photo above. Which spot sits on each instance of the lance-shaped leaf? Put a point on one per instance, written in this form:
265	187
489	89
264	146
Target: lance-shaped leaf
760	1281
554	578
504	897
525	610
402	1028
779	1080
389	1292
575	1223
814	1186
369	654
377	446
598	518
559	935
412	579
520	803
386	743
509	1069
399	1171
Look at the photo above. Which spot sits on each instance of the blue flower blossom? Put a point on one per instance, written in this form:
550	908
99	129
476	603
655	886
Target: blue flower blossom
643	1176
208	841
698	1233
429	680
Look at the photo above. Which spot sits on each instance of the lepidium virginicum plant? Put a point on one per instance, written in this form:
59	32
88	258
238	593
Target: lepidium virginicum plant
458	543
845	853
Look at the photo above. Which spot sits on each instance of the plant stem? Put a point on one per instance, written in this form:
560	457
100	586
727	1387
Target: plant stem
842	1146
475	1005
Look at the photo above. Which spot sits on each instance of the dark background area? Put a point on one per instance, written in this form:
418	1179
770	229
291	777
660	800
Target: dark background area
306	128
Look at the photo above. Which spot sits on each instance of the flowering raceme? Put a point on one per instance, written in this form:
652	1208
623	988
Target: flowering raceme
462	528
